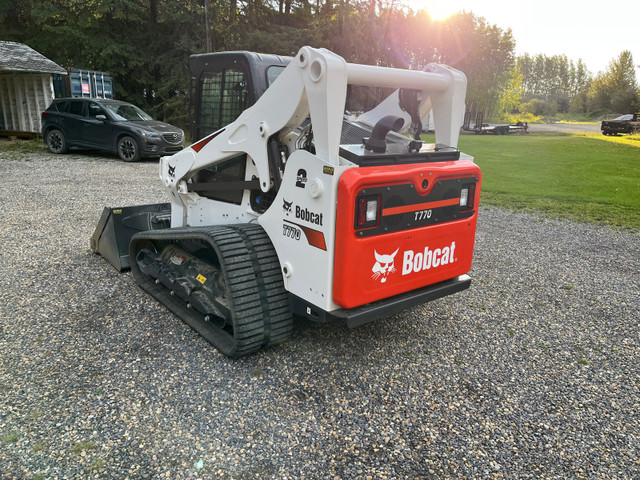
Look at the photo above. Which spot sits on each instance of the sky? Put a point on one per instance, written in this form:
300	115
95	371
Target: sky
596	32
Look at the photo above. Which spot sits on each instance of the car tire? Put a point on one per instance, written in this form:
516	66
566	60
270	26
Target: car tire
128	149
56	141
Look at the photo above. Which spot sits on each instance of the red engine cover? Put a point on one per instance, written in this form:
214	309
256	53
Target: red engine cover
422	236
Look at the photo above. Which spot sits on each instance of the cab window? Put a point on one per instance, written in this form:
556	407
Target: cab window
274	72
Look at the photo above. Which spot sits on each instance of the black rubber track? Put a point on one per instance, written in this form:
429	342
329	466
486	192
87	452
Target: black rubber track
259	304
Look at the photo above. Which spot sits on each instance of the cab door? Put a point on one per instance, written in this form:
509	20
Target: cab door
224	95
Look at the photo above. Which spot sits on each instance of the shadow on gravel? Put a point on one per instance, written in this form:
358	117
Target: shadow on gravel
98	154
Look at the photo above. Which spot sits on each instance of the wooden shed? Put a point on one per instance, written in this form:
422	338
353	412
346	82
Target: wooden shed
26	87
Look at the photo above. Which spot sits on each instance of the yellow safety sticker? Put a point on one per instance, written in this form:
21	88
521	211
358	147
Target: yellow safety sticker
117	211
201	278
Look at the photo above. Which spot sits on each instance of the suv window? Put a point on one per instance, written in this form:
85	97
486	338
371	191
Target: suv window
95	109
62	106
76	107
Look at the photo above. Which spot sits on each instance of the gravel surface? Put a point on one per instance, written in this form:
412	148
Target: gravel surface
534	372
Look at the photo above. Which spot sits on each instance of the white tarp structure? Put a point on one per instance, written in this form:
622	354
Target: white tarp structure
26	87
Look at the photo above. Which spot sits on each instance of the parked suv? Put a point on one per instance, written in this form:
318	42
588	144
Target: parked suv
110	125
629	123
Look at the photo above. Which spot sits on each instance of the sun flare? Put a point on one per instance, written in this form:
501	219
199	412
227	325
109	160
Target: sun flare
438	9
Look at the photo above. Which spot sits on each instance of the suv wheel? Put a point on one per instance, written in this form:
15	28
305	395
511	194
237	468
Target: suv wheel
128	149
56	141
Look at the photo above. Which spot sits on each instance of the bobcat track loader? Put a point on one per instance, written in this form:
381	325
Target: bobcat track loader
281	213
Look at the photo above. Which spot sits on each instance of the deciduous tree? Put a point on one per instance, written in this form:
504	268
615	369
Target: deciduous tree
616	89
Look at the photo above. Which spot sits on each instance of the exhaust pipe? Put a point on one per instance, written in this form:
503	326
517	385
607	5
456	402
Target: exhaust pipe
377	141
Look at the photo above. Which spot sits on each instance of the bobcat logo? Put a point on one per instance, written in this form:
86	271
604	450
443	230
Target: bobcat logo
286	206
384	266
172	171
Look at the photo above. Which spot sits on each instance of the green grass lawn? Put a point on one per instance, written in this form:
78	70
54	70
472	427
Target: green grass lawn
22	146
582	177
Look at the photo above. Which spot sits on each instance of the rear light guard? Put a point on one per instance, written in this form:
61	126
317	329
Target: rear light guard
467	196
390	208
367	211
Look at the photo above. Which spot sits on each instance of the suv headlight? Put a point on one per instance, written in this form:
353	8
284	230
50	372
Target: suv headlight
149	135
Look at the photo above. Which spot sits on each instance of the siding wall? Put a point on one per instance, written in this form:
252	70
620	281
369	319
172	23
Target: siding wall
23	97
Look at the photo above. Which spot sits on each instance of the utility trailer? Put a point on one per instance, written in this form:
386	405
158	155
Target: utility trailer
294	209
502	129
481	128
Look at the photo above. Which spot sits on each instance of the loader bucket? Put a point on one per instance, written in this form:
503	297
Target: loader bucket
117	225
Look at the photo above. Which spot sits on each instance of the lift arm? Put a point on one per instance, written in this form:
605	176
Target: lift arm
314	84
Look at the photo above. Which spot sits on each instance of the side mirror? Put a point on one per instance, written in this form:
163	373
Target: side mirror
101	117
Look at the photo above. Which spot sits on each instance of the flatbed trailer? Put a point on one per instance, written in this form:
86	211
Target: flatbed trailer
503	129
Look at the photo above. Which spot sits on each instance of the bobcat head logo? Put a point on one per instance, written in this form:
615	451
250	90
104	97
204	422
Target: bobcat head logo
286	206
384	266
172	171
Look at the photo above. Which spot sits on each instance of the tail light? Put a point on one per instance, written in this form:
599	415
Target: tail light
367	211
467	196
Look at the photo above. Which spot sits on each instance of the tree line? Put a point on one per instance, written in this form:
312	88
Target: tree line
145	44
556	84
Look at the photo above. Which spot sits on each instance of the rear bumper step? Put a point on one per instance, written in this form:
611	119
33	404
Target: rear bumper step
383	308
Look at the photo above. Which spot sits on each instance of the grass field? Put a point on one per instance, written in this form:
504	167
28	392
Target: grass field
584	177
22	146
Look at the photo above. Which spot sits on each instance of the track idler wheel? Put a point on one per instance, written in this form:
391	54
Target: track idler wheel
224	282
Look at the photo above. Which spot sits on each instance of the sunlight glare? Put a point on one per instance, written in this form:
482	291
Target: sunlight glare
438	9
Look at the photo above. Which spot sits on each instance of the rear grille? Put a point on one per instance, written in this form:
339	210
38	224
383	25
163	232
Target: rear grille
173	138
393	220
353	134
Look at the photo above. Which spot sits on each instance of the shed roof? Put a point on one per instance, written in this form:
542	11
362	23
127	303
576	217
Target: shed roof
17	57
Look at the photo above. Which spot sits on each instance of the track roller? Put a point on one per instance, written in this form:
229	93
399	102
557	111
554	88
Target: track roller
223	281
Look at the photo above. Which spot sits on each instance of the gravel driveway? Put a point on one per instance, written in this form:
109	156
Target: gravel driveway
532	373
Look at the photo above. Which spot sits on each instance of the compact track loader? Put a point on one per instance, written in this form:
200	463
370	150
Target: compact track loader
294	208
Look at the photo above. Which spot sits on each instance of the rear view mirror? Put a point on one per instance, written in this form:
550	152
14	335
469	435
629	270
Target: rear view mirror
101	117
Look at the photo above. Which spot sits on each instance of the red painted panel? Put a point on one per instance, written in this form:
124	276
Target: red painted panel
371	268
